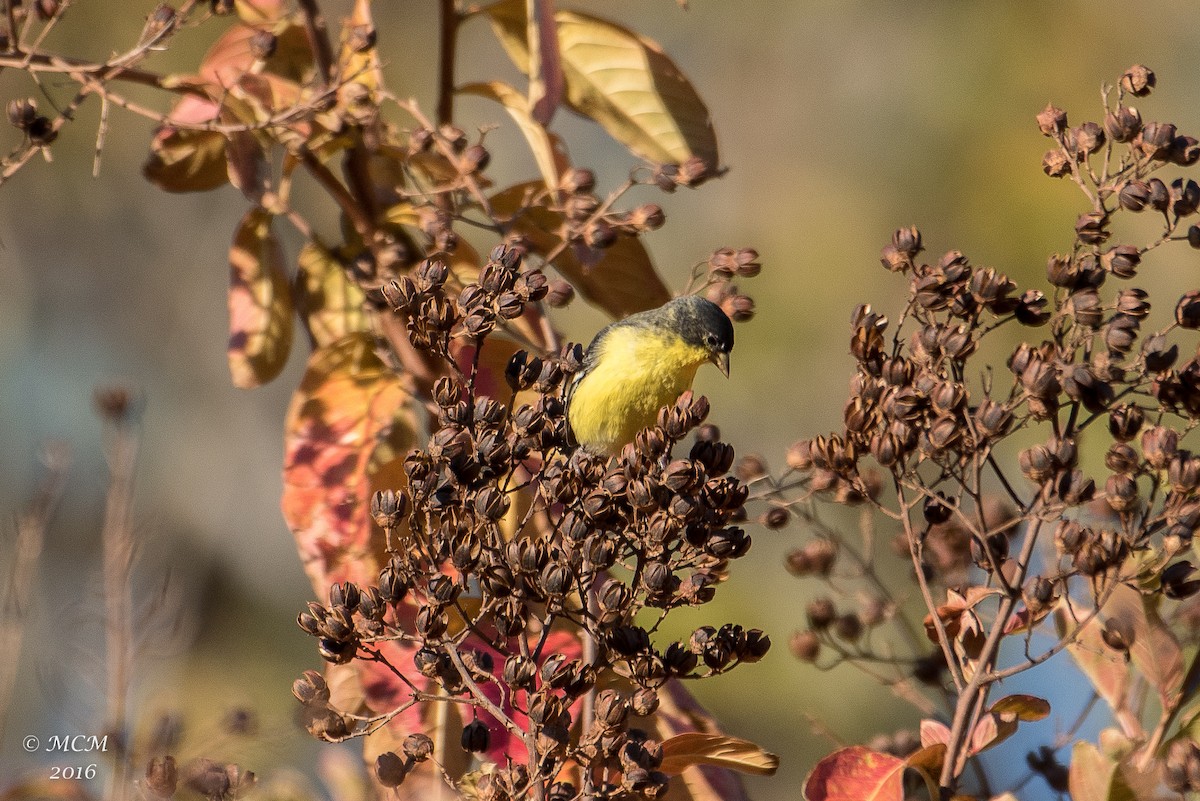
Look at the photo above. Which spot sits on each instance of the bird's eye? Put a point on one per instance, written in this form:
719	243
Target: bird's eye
710	340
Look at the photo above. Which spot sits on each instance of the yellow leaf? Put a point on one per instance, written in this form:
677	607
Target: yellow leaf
621	80
549	164
697	748
620	279
331	304
1094	777
260	303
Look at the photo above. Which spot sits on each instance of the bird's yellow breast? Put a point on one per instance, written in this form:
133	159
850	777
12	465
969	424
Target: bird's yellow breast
637	372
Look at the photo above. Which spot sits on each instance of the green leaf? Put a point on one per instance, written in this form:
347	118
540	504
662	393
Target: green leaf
260	303
621	80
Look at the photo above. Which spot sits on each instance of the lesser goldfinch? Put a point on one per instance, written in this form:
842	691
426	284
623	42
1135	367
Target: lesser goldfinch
636	366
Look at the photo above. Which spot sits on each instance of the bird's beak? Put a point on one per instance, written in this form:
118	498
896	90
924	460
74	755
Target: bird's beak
721	360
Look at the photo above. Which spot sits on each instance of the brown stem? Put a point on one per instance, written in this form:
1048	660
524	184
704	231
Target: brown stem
318	39
26	550
117	538
449	22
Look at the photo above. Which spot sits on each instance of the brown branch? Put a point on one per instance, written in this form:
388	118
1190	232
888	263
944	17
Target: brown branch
318	39
449	20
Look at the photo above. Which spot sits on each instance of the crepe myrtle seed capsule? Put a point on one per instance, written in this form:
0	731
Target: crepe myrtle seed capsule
936	509
1138	80
162	776
22	113
390	769
1052	121
1134	195
820	612
475	737
311	689
1185	197
1123	124
1155	140
339	652
559	293
453	136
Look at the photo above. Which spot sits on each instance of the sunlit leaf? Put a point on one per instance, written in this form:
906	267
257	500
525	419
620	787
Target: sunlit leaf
549	164
347	404
680	712
260	303
990	730
621	80
620	279
185	160
1154	651
1104	667
1094	777
696	748
330	303
1022	707
259	12
856	774
358	59
927	762
247	165
231	57
934	732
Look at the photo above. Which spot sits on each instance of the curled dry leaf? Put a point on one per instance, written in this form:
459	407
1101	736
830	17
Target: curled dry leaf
183	160
621	80
260	303
1022	707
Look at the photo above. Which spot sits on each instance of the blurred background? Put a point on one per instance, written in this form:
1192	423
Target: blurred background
839	121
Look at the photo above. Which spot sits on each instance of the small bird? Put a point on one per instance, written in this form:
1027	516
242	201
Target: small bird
636	366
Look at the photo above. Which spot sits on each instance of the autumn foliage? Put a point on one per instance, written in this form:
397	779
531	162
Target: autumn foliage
489	600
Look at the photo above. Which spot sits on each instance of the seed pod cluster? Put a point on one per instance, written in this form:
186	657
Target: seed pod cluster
507	546
927	416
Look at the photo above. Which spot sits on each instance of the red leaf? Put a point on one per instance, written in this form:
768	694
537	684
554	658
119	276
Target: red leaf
856	774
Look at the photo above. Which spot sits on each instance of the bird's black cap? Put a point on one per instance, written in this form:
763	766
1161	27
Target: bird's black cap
700	322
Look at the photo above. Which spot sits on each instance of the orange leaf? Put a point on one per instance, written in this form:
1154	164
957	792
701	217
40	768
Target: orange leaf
856	774
680	712
260	303
696	748
347	405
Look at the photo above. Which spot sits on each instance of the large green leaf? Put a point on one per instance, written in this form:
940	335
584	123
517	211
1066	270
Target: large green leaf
621	80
